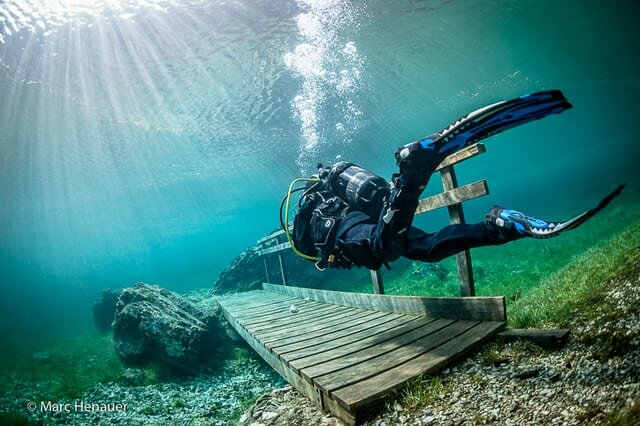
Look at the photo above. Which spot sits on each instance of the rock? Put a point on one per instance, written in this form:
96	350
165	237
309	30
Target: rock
152	324
132	377
269	415
427	420
244	273
105	308
529	373
247	272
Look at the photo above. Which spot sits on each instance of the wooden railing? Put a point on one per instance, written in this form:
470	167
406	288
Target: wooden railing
452	198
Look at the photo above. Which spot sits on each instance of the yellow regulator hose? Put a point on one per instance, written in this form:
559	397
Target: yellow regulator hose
286	218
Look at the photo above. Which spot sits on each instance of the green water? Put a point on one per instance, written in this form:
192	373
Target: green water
153	141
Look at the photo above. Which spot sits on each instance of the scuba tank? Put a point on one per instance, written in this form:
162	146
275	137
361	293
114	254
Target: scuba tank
359	188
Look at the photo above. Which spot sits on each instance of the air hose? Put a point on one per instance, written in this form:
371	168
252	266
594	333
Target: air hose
286	217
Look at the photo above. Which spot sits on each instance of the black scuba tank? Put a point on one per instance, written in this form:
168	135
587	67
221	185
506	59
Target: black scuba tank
360	188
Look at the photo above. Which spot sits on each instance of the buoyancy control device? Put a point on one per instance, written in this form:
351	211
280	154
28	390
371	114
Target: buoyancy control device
358	188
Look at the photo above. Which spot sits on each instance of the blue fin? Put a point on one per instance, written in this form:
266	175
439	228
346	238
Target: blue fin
493	119
582	218
538	228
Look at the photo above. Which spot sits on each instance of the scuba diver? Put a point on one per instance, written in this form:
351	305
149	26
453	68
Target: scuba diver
348	216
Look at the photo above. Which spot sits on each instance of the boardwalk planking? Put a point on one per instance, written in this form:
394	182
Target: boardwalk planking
346	356
347	332
345	348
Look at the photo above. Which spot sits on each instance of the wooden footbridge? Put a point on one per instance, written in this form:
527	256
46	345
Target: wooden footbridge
348	351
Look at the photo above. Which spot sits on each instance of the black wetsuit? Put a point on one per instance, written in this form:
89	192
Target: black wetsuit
327	227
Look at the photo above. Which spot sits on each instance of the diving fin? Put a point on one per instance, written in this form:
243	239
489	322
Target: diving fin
538	228
488	121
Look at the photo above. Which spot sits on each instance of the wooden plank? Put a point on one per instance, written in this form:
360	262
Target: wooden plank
363	340
275	249
320	336
235	296
257	303
350	342
242	313
285	316
304	387
273	235
472	308
302	330
456	215
253	296
376	281
247	313
464	154
324	346
347	347
297	322
284	278
465	274
401	350
266	268
243	316
366	391
352	355
277	320
258	300
454	196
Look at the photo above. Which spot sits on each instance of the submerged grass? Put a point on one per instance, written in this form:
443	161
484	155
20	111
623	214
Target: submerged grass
625	417
544	281
578	286
65	369
549	295
421	391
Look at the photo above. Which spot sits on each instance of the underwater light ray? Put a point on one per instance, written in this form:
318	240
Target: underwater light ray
84	178
11	108
61	180
153	61
172	98
153	101
113	65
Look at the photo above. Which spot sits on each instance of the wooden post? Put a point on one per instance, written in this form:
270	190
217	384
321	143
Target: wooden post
284	280
456	215
266	268
376	280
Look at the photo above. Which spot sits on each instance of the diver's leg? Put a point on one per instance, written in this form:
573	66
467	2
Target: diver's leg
416	167
357	241
396	217
418	160
452	239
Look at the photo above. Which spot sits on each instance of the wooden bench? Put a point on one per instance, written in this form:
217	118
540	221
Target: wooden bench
452	198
